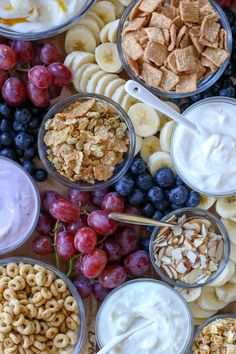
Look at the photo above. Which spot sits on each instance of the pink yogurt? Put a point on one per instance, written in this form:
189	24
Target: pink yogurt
19	205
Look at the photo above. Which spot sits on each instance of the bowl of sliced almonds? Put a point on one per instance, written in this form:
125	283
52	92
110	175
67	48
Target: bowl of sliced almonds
194	252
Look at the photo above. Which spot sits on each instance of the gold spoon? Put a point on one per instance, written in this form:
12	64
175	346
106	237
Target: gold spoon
138	220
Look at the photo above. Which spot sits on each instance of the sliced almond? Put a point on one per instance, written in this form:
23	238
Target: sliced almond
181	268
219	251
191	256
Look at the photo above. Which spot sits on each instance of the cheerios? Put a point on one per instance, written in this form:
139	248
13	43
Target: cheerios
61	341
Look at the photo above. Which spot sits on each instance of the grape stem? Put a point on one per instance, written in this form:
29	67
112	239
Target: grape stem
102	240
71	265
55	232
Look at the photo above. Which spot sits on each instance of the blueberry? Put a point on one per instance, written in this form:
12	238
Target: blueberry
30	153
150	229
6	139
19	153
23	140
29	166
22	115
10	153
178	195
207	94
230	16
227	91
35	122
158	215
137	197
148	210
145	244
193	199
138	167
5	110
162	206
227	82
178	181
233	29
185	106
155	194
195	98
5	125
125	186
164	178
40	175
144	182
216	88
229	69
175	206
19	127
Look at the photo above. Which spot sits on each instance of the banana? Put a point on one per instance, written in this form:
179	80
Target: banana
226	207
198	312
80	38
233	279
231	228
105	10
125	2
209	301
107	58
69	60
165	118
206	202
198	321
92	83
150	145
165	136
145	119
104	33
119	8
112	32
112	86
190	295
226	292
80	59
119	94
225	276
127	102
99	21
232	255
158	160
90	22
233	219
87	74
103	82
78	74
138	144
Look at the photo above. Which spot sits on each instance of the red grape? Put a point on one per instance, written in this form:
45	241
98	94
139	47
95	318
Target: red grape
48	53
127	240
78	266
60	73
133	210
60	57
54	91
3	40
79	197
65	245
112	276
14	91
99	221
85	240
84	287
43	245
3	77
64	210
40	76
23	50
93	263
97	196
36	56
7	57
113	202
45	224
81	222
48	198
137	263
100	292
39	97
112	249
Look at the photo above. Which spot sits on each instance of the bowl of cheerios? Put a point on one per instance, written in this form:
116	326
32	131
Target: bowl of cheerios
40	309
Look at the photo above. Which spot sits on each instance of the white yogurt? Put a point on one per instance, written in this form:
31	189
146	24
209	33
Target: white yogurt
134	304
37	15
207	160
18	205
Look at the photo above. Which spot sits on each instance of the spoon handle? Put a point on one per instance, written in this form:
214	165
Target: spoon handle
137	220
139	92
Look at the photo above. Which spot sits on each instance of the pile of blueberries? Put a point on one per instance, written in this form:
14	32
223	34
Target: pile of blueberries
18	136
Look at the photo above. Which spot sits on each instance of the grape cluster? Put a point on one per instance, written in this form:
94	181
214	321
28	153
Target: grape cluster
102	254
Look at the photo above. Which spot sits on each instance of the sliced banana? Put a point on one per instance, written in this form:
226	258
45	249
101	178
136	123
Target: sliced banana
232	255
119	94
226	292
190	295
128	101
125	2
69	60
99	21
225	276
231	228
112	32
198	312
206	202
198	321
145	119
150	145
80	59
226	207
158	160
77	76
103	82
87	74
91	23
92	83
112	86
119	8
165	135
165	118
209	301
138	144
104	33
105	10
80	38
233	279
108	58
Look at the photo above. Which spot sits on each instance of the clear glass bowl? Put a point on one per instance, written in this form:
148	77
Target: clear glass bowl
207	322
219	100
20	240
204	84
120	169
74	292
149	280
49	32
219	228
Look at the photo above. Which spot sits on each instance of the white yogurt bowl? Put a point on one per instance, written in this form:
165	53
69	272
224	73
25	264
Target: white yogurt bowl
142	300
19	205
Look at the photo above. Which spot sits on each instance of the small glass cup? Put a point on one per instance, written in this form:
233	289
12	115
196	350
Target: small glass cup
219	228
19	241
153	281
204	84
74	292
120	169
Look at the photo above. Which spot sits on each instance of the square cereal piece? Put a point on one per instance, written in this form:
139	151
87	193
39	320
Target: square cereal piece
169	79
150	5
171	62
155	34
200	70
194	34
226	41
187	83
133	65
186	58
205	42
137	35
178	22
175	3
151	75
189	11
217	56
135	25
208	64
185	41
135	11
221	38
166	34
169	11
205	10
180	35
132	48
173	36
161	21
156	53
210	29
